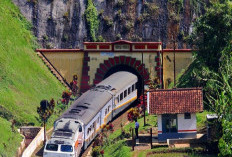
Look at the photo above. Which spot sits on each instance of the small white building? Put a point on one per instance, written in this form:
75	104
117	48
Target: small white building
176	111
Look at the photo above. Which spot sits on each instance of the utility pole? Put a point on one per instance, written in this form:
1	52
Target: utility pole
144	115
174	42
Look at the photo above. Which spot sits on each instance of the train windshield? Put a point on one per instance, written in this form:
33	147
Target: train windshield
52	147
66	148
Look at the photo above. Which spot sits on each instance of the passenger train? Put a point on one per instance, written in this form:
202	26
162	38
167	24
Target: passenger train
79	125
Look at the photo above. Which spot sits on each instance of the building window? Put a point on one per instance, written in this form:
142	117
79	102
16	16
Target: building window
125	93
187	116
169	123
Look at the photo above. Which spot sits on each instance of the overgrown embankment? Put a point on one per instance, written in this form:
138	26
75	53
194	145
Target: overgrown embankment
24	79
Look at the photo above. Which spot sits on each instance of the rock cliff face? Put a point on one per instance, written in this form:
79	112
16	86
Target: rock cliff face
62	24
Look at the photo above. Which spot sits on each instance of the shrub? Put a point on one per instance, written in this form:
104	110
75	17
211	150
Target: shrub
91	16
133	114
108	22
118	36
96	151
66	15
100	39
119	4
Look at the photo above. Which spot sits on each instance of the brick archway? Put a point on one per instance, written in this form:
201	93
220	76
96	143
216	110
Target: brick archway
120	60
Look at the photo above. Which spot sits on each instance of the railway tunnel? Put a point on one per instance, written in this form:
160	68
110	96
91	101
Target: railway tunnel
122	67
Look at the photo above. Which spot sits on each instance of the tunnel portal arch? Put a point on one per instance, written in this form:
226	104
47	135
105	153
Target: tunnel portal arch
122	63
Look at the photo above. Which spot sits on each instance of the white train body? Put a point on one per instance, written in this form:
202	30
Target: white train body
79	125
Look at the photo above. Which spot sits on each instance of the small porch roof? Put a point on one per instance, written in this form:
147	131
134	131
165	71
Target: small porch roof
173	101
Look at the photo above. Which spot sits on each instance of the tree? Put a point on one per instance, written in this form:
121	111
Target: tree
212	68
222	104
45	111
212	33
91	16
133	114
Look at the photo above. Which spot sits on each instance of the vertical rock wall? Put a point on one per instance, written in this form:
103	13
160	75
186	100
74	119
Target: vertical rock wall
61	23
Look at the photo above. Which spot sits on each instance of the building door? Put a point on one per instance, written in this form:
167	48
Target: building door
169	123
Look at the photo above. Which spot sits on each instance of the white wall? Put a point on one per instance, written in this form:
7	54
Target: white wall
186	124
159	117
148	102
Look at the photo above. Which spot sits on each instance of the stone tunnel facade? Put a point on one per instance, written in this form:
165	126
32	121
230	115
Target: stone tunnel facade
100	59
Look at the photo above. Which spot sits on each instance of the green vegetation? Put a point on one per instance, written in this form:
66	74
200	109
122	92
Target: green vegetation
91	16
175	8
212	68
201	120
117	146
176	152
24	79
9	139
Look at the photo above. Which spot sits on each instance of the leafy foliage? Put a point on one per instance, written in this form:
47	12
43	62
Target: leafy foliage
91	16
211	36
222	104
133	114
212	68
46	109
212	33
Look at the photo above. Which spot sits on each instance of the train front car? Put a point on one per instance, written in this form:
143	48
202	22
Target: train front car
66	140
84	119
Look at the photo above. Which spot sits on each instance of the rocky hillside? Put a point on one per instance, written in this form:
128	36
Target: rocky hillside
63	24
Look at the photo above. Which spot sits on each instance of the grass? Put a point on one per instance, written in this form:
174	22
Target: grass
175	152
24	79
201	120
151	121
120	147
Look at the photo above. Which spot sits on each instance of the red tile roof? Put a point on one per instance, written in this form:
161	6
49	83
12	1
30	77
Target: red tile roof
172	101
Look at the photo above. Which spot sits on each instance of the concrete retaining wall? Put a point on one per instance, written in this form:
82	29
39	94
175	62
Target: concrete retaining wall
34	144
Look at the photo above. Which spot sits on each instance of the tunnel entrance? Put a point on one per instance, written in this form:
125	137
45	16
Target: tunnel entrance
123	67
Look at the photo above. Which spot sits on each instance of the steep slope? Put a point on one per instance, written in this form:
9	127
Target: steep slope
24	79
62	24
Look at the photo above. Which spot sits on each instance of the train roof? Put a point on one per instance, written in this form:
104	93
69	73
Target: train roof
86	107
91	102
66	127
118	81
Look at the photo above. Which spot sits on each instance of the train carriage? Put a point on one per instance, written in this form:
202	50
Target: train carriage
89	113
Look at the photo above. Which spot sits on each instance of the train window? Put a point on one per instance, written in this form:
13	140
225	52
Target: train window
133	88
52	147
108	108
105	111
98	119
121	96
116	100
66	148
125	93
129	90
135	85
